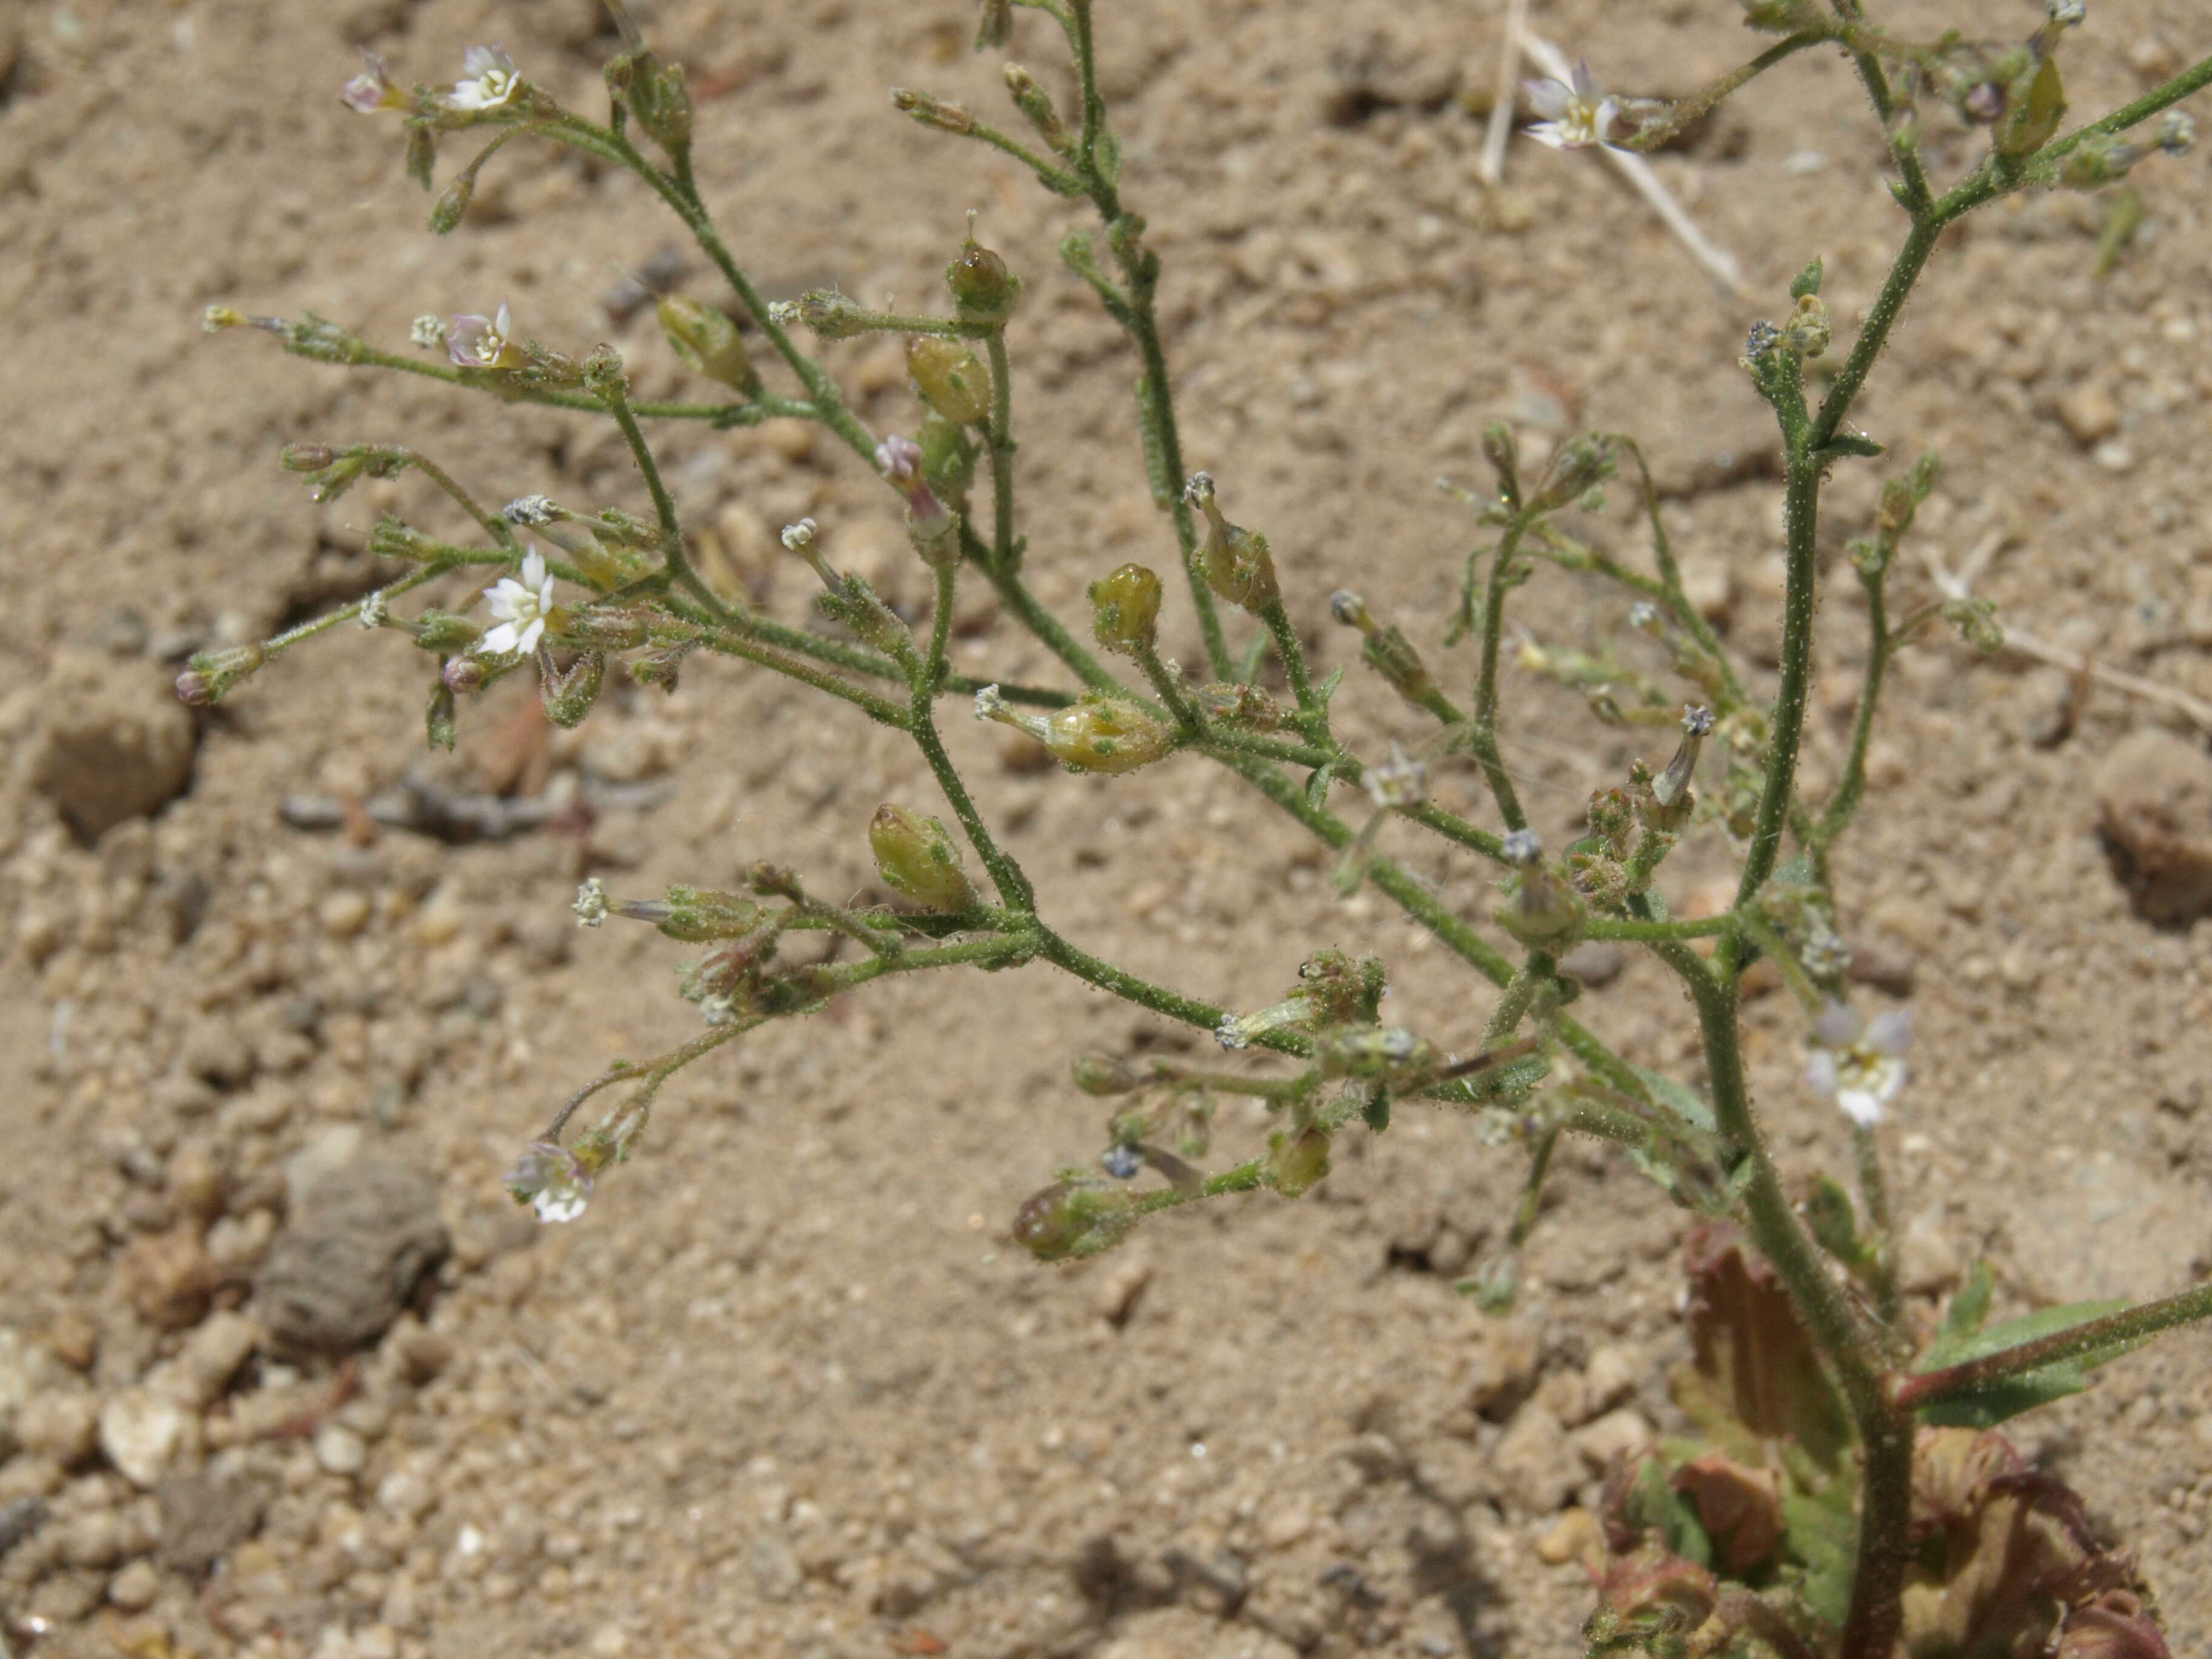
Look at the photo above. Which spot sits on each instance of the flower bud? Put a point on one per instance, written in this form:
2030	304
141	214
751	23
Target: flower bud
827	313
1297	1160
1239	703
440	718
707	343
212	673
1104	1074
422	155
453	201
602	630
1065	1221
950	377
467	673
1037	109
568	694
1580	464
917	859
394	538
661	102
1393	1055
1659	1591
1097	734
983	289
931	110
1126	609
1236	561
994	25
1807	331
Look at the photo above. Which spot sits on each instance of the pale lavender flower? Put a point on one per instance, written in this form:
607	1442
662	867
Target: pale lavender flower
489	80
1577	114
475	342
521	607
372	90
1859	1066
898	457
551	1179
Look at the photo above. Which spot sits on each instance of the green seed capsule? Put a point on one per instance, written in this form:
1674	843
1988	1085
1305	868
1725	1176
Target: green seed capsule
1296	1162
951	378
917	857
1103	1074
707	342
983	289
1127	609
1065	1221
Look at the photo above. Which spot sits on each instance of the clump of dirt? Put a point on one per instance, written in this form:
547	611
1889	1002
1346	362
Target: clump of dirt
785	1388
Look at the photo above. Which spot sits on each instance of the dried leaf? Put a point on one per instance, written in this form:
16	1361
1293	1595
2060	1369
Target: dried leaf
2117	1625
1739	1508
2004	1551
1747	1342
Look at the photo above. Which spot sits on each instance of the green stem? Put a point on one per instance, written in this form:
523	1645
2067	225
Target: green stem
1014	888
1482	735
1873	1192
1835	817
504	386
664	505
1061	953
1801	510
1139	318
1000	438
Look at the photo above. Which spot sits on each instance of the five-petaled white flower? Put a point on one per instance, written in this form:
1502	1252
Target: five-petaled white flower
520	606
372	90
475	342
489	80
1860	1066
1576	115
551	1179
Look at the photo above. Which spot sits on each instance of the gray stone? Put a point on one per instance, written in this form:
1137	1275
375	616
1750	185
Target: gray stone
205	1515
350	1256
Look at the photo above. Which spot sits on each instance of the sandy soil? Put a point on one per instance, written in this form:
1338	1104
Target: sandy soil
784	1389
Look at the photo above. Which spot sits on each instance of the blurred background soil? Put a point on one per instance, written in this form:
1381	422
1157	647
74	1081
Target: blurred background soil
785	1389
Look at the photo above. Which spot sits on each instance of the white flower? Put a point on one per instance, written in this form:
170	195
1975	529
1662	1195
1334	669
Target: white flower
1861	1068
1576	116
551	1179
590	906
521	607
479	341
489	81
428	331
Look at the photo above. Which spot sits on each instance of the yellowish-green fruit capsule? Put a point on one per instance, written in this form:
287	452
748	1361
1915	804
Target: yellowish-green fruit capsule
1097	734
707	342
1106	734
917	857
1236	561
2034	104
1297	1160
951	378
1126	609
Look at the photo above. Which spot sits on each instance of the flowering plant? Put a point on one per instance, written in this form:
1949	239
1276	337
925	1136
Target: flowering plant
1827	1501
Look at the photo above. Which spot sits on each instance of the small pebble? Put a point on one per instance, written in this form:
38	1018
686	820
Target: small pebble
339	1449
141	1432
135	1588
